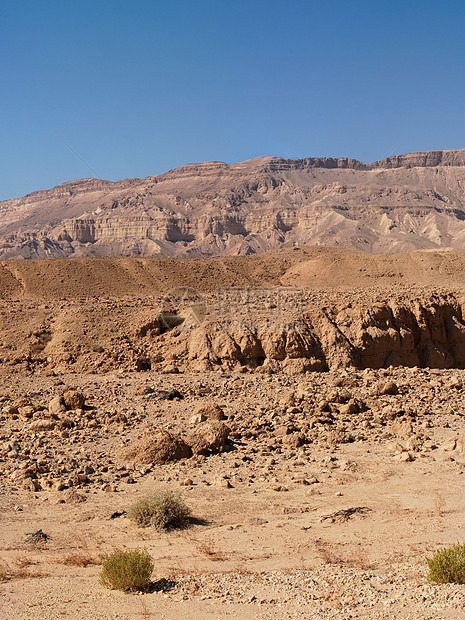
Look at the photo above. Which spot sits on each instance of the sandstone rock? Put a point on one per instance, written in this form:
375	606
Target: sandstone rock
71	496
23	473
210	436
221	481
307	481
294	440
26	412
349	408
403	430
73	399
413	443
394	447
197	418
404	457
210	410
388	387
56	405
157	447
282	429
448	445
44	424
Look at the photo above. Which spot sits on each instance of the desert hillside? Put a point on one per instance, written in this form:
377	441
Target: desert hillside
317	268
399	204
292	310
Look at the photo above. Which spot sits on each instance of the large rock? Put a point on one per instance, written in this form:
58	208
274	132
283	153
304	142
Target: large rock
73	399
156	447
210	410
56	405
210	436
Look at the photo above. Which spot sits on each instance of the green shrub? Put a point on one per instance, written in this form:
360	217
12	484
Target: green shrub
447	565
127	570
164	510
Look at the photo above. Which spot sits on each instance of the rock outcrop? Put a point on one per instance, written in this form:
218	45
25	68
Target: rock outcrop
426	332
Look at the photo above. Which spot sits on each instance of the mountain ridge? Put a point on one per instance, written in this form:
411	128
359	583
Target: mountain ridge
408	202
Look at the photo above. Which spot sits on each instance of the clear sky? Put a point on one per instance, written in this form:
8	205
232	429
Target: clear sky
121	88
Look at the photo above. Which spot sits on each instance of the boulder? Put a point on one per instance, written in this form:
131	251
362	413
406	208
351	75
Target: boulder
73	399
56	405
42	424
156	447
210	436
388	388
210	410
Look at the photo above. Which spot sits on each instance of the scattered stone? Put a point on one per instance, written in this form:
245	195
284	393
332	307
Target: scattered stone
404	457
56	405
221	481
43	425
71	496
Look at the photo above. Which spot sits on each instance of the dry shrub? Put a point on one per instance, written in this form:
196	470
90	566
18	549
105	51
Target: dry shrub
327	555
80	559
7	573
127	571
24	561
359	559
206	548
163	510
144	610
447	565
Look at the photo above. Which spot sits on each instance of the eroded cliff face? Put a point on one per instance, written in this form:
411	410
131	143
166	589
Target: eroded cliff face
239	329
401	203
427	331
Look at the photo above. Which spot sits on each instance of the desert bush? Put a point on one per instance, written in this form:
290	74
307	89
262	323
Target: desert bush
76	558
127	570
447	565
163	510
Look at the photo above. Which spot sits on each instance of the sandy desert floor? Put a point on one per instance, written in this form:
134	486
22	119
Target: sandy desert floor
270	537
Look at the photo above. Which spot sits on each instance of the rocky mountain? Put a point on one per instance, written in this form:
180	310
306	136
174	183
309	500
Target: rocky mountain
401	203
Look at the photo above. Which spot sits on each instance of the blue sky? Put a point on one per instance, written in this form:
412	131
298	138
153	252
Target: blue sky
121	89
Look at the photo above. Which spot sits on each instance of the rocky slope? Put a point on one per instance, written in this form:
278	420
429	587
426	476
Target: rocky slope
290	310
398	204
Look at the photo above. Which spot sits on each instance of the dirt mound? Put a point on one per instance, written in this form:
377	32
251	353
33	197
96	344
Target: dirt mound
156	447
